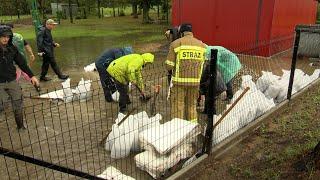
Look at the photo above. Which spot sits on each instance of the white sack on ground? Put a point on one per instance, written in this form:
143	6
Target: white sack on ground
156	164
315	75
90	67
111	173
125	137
58	94
247	82
266	80
168	135
82	91
252	105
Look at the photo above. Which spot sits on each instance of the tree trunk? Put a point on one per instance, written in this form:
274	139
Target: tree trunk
158	13
135	9
78	4
145	13
114	9
99	4
70	12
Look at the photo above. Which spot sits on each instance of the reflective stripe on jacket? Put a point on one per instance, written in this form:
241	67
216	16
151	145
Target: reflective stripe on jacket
186	57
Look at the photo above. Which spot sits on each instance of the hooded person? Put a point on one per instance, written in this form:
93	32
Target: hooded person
102	62
128	69
8	85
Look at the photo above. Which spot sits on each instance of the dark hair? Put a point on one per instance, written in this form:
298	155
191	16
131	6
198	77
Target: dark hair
185	27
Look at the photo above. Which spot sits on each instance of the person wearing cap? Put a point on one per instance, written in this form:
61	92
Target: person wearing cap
128	69
103	62
9	56
46	47
23	46
185	58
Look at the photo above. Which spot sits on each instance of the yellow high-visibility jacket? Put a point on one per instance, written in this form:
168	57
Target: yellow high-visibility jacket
186	57
128	68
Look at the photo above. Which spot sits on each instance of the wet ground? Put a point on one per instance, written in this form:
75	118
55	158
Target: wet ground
69	134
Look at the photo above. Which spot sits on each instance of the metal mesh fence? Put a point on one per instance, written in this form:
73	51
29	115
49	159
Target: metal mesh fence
77	130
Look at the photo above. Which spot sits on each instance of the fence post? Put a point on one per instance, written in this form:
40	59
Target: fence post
294	62
211	96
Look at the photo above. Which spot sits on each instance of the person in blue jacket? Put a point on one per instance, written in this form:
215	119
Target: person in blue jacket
102	63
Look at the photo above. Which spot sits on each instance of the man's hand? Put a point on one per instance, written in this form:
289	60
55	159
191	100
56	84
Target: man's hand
167	34
41	54
223	95
57	45
31	58
34	81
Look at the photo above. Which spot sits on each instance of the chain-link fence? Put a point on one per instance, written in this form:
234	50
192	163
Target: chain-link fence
74	132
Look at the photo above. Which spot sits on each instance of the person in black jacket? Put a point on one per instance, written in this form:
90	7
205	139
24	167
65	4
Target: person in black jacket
102	64
204	87
46	47
9	55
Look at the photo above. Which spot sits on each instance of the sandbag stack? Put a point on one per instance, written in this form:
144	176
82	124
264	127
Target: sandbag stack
124	136
269	90
165	145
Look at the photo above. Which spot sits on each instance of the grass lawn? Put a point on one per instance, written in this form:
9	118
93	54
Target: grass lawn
106	27
279	149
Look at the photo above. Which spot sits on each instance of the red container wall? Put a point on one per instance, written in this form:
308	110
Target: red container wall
236	25
288	14
198	13
258	27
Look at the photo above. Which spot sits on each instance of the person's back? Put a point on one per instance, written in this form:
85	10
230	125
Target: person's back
18	41
187	56
119	68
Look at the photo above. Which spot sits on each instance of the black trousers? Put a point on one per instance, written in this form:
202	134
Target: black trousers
124	97
107	82
49	61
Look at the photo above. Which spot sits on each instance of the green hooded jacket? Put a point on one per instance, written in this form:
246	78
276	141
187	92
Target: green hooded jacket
228	62
18	41
129	68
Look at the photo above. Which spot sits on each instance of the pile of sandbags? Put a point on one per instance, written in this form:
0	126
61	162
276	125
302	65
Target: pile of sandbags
165	145
276	88
111	173
124	136
251	106
81	92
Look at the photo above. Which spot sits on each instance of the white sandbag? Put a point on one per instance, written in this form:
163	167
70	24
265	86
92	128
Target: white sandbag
68	95
115	96
122	146
156	164
58	94
315	75
113	135
273	91
90	67
266	80
83	89
168	135
111	173
247	82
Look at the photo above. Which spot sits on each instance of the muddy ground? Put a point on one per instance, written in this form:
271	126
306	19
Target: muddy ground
69	134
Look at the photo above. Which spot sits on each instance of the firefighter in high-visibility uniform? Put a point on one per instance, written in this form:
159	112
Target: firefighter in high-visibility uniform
186	57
